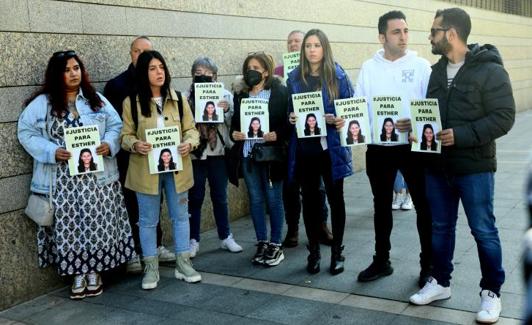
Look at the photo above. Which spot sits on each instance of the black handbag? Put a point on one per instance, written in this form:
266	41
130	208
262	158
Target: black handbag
264	153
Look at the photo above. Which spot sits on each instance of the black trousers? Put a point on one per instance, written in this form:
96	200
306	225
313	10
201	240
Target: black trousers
382	164
309	173
292	202
132	206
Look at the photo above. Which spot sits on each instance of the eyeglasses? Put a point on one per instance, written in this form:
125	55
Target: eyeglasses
433	31
60	54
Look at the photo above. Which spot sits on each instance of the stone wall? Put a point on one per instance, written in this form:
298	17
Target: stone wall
101	31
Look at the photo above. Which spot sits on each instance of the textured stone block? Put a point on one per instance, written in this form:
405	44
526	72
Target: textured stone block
14	15
14	193
14	160
104	20
11	102
20	278
55	17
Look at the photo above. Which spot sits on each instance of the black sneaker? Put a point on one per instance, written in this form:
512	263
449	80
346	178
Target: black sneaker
377	269
258	258
273	255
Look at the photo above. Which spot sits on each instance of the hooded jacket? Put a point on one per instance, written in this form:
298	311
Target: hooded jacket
341	160
478	106
407	77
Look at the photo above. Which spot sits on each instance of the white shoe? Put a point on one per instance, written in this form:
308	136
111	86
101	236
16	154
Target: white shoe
407	203
230	244
490	307
133	265
397	201
432	291
165	255
194	248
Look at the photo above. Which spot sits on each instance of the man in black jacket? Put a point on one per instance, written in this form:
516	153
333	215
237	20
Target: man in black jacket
476	106
116	90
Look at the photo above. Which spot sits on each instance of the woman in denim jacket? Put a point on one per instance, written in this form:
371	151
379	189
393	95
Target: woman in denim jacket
90	233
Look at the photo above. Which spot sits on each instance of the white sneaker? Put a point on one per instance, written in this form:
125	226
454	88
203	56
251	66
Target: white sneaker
165	255
407	203
194	248
133	265
230	244
398	199
432	291
490	307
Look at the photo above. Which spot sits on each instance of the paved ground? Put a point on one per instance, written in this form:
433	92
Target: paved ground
234	291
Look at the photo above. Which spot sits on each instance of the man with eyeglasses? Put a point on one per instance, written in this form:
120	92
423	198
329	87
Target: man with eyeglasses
477	107
116	90
395	71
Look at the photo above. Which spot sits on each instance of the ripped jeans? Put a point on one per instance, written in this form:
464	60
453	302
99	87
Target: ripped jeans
149	216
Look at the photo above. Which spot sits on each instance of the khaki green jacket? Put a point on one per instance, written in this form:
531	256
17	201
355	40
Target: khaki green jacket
138	177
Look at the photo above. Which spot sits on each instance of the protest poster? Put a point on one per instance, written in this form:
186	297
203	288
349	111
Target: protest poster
254	117
82	142
356	130
386	110
308	108
207	95
426	122
164	156
290	62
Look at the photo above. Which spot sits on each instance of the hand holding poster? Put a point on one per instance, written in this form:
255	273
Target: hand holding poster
254	117
206	98
164	156
385	114
426	122
355	113
82	142
290	62
310	114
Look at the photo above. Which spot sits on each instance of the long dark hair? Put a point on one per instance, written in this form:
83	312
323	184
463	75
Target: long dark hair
81	164
327	68
171	164
54	84
350	136
205	116
317	130
260	133
424	139
143	81
393	137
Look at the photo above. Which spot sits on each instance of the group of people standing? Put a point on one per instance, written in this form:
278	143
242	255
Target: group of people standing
92	232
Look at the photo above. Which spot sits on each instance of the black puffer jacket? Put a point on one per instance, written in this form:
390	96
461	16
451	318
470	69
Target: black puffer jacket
478	106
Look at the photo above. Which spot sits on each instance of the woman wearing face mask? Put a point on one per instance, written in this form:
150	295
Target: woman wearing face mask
208	162
157	106
317	71
263	179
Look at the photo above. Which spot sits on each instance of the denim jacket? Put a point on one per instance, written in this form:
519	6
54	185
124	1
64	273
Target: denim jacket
34	129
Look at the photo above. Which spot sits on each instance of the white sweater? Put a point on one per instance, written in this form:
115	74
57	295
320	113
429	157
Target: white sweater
407	77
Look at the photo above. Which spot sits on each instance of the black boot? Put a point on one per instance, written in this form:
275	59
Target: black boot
292	235
379	268
314	258
337	260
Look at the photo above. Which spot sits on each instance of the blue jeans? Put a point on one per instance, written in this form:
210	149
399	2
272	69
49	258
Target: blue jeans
399	184
260	191
476	193
149	216
214	169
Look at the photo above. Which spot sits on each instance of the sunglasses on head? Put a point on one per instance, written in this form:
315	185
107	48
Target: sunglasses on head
60	54
433	31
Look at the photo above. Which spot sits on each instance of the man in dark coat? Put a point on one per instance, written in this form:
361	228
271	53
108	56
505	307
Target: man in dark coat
476	106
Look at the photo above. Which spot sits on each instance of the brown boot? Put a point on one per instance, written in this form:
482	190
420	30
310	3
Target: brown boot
291	237
326	237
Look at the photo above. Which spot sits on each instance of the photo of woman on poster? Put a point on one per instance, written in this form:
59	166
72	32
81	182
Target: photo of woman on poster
209	112
254	130
166	161
86	161
428	141
388	130
354	133
311	125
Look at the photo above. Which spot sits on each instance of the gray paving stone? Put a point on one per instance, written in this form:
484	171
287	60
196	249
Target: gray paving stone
340	315
289	311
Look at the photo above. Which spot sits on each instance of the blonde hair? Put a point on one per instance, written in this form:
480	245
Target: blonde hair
327	69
